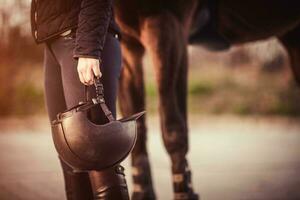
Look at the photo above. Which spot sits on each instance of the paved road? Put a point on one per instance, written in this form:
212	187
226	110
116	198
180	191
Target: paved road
231	159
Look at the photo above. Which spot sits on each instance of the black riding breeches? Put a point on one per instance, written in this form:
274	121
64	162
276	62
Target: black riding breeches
64	90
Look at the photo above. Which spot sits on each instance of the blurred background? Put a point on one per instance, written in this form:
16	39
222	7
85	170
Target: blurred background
243	104
249	79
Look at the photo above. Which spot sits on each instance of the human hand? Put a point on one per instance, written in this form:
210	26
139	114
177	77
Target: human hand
87	69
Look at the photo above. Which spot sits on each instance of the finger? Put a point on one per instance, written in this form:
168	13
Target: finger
89	76
80	74
96	70
81	77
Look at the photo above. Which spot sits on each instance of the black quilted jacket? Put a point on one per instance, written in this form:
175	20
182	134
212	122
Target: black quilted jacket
91	19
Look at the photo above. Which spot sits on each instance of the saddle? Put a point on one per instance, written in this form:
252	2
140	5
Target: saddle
204	28
219	23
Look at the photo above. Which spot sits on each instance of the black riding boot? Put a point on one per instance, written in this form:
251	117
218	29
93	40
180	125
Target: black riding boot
109	184
77	184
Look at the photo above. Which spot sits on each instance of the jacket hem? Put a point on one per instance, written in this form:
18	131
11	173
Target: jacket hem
54	35
77	56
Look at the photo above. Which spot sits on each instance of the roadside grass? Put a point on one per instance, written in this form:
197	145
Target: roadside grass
21	89
28	99
243	91
204	96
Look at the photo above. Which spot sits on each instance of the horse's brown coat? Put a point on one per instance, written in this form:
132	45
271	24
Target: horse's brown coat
161	27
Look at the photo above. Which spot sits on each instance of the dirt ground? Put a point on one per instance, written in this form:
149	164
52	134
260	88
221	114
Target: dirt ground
231	158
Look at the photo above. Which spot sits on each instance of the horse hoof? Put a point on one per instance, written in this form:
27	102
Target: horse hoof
143	195
186	196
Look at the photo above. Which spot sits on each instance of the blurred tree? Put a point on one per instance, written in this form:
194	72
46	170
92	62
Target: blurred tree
17	51
15	37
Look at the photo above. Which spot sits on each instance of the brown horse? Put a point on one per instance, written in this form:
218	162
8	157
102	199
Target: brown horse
162	27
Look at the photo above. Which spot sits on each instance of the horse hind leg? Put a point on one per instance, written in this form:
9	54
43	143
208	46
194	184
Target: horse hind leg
181	173
132	100
163	36
291	41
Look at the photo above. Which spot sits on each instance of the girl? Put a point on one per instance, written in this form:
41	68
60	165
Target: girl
81	42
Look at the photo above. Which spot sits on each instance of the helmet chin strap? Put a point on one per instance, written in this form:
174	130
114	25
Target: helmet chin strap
99	99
